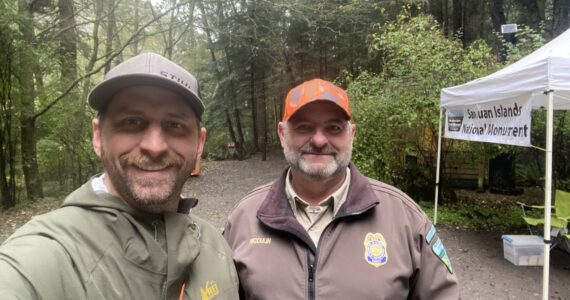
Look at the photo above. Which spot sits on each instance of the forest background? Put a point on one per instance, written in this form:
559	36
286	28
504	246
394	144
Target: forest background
393	57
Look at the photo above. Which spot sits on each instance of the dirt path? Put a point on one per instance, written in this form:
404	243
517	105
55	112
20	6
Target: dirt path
477	257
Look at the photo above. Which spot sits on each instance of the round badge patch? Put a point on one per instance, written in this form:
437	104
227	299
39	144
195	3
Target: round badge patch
375	249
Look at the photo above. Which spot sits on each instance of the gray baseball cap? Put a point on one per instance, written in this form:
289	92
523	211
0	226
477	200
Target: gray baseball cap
147	69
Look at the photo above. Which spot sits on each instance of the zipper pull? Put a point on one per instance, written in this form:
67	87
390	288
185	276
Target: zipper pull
155	225
311	273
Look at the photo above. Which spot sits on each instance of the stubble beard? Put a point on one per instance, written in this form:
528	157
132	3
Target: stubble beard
148	194
340	162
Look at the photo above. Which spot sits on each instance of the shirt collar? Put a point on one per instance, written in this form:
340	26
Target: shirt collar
338	196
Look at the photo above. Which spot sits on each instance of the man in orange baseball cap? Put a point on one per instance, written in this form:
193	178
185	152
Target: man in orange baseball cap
325	231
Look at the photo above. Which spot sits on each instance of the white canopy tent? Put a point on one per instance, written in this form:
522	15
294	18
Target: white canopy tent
542	77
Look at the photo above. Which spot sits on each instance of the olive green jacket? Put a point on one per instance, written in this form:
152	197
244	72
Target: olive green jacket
97	247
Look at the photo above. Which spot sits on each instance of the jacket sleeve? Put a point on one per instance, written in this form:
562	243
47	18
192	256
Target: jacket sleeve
35	267
434	278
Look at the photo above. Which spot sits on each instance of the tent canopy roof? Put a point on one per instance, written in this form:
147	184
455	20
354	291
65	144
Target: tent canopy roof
546	69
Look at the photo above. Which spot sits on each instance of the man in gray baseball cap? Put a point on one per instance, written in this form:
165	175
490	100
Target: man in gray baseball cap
127	233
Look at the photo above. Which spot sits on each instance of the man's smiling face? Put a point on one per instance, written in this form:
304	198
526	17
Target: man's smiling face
149	140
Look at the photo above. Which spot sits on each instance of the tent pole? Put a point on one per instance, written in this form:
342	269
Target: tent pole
547	194
437	167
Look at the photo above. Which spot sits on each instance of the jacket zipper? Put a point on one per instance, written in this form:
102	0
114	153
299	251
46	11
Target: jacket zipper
155	224
312	262
311	265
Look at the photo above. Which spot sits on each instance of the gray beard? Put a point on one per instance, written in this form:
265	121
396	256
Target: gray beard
340	162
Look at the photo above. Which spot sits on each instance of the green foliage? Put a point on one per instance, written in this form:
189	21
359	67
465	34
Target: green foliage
476	216
529	174
396	110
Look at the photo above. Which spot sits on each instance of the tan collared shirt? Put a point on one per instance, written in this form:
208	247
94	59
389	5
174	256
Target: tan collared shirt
315	218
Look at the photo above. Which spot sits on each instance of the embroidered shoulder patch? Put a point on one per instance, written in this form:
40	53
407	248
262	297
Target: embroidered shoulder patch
430	234
375	249
441	253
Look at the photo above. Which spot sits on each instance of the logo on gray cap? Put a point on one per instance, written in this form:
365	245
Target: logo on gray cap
147	69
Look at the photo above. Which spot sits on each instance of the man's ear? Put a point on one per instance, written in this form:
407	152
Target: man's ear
281	131
96	136
201	143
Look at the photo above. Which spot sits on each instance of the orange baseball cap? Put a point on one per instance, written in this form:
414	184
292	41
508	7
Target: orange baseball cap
312	90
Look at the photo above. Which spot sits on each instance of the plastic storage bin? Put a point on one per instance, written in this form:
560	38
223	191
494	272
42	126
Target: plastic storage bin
524	250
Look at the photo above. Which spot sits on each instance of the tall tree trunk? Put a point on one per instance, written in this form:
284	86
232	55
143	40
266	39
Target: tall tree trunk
253	108
497	14
68	41
239	127
264	116
7	143
230	126
27	107
68	68
436	9
289	68
447	8
440	9
136	26
457	16
170	33
473	21
533	12
251	11
276	118
110	33
560	16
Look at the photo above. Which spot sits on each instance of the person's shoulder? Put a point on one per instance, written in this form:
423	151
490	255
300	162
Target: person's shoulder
58	230
52	221
36	262
34	248
389	193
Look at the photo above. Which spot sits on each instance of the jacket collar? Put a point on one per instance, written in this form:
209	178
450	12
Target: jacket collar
275	211
106	200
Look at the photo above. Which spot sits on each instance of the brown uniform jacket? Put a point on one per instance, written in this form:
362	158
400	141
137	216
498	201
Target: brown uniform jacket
377	247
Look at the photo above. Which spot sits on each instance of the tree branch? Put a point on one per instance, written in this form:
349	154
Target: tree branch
109	59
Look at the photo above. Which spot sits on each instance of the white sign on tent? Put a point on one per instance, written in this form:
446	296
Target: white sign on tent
503	122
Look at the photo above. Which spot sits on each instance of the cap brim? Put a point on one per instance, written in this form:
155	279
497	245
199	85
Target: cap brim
102	93
304	106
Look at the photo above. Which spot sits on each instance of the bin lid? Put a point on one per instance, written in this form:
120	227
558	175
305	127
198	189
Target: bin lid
523	239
